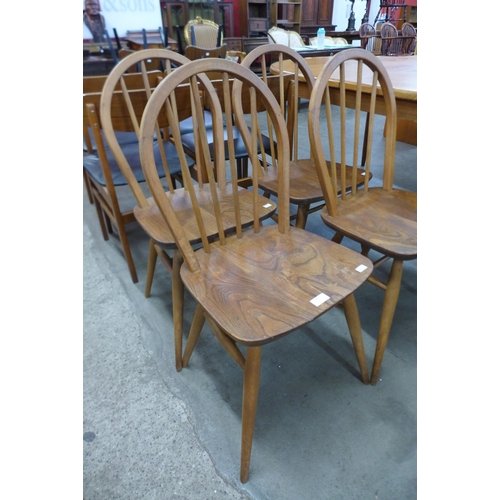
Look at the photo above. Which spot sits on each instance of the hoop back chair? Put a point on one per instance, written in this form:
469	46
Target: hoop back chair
382	219
288	38
391	43
370	40
256	285
305	190
203	33
162	243
409	39
103	176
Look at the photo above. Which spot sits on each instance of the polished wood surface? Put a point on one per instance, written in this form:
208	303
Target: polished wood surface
383	219
305	189
256	285
122	109
402	73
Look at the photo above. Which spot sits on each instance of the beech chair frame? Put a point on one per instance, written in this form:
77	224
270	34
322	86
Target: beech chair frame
381	219
252	286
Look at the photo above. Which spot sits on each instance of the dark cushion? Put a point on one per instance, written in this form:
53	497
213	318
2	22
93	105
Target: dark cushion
186	126
240	150
122	138
92	164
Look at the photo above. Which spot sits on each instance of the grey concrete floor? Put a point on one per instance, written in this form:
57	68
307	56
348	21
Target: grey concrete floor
151	432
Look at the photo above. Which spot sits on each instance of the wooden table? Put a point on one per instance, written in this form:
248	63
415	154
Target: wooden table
402	72
324	53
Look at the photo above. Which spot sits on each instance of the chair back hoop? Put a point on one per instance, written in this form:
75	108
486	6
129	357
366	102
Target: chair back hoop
367	33
194	72
409	36
117	93
380	85
391	45
292	99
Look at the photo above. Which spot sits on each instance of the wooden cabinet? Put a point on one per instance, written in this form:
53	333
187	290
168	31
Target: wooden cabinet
286	14
179	12
258	17
316	14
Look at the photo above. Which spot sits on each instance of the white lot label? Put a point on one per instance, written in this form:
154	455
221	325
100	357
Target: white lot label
361	268
319	299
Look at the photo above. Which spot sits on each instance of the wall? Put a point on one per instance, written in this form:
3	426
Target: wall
124	15
342	11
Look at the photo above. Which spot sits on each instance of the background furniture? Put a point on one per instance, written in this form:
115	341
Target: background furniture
402	72
286	14
289	38
203	33
193	52
329	41
383	220
258	17
391	44
316	14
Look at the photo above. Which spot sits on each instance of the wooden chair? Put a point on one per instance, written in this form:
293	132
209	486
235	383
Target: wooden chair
370	39
203	33
256	285
391	44
94	84
382	219
329	41
193	52
240	151
162	242
305	189
285	37
409	39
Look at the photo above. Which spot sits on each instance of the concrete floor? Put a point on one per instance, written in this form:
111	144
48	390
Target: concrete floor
151	432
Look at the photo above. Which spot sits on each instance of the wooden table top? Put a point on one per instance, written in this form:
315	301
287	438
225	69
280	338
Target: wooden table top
402	72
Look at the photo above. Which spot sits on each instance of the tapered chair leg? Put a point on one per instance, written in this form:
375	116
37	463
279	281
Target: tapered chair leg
251	382
194	334
178	306
388	309
100	218
301	216
126	250
352	317
152	257
87	185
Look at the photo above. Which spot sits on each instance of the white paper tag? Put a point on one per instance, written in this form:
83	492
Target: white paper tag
361	268
267	205
319	299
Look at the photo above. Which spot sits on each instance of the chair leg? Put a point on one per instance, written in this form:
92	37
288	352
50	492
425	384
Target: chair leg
301	216
87	186
251	382
101	217
388	309
194	334
108	223
352	317
178	306
126	249
152	257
